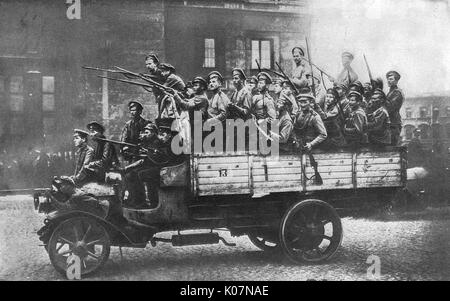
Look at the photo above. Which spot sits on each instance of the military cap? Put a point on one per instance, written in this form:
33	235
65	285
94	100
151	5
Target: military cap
278	80
152	56
347	54
135	103
151	126
304	95
333	92
265	76
356	86
379	92
394	73
355	93
81	133
215	74
64	180
166	66
341	86
165	124
252	79
200	80
299	49
96	125
240	72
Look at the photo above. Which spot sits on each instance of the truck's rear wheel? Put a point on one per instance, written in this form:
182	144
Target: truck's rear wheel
81	236
310	231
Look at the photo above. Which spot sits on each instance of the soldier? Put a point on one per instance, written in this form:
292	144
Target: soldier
132	129
83	156
218	104
285	126
171	80
263	106
342	90
104	153
356	123
282	90
301	68
250	85
197	102
378	120
151	63
309	130
318	89
333	121
241	99
148	169
347	75
136	191
394	101
358	87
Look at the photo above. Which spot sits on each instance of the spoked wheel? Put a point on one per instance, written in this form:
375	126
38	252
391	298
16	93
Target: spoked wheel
265	241
311	231
81	236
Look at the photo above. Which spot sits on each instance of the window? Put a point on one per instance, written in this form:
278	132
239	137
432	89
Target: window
262	51
408	112
48	93
423	112
447	111
435	114
16	94
210	54
409	130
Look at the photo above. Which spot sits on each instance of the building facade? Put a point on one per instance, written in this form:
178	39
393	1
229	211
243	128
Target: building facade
430	115
45	92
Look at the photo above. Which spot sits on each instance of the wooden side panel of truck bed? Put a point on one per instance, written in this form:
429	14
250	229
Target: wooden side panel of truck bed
228	174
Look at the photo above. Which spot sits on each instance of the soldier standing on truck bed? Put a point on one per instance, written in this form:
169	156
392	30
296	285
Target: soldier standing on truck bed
378	120
241	99
394	101
171	80
301	68
263	106
356	123
309	130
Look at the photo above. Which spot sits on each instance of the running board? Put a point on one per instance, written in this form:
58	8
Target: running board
193	239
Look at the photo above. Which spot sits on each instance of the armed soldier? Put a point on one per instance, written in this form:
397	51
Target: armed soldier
151	63
197	102
356	123
282	90
285	125
378	120
333	121
218	104
347	75
358	87
250	85
166	107
148	169
241	99
301	68
132	129
309	130
104	153
394	101
83	156
263	106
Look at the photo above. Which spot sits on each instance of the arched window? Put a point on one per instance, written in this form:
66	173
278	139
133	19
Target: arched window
437	131
423	112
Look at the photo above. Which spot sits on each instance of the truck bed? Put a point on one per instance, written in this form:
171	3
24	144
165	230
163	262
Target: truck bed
257	175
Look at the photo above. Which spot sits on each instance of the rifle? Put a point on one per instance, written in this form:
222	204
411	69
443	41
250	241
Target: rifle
287	78
317	67
122	71
168	91
368	69
257	64
313	86
317	177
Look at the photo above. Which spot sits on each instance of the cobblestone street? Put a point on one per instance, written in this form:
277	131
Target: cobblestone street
408	250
